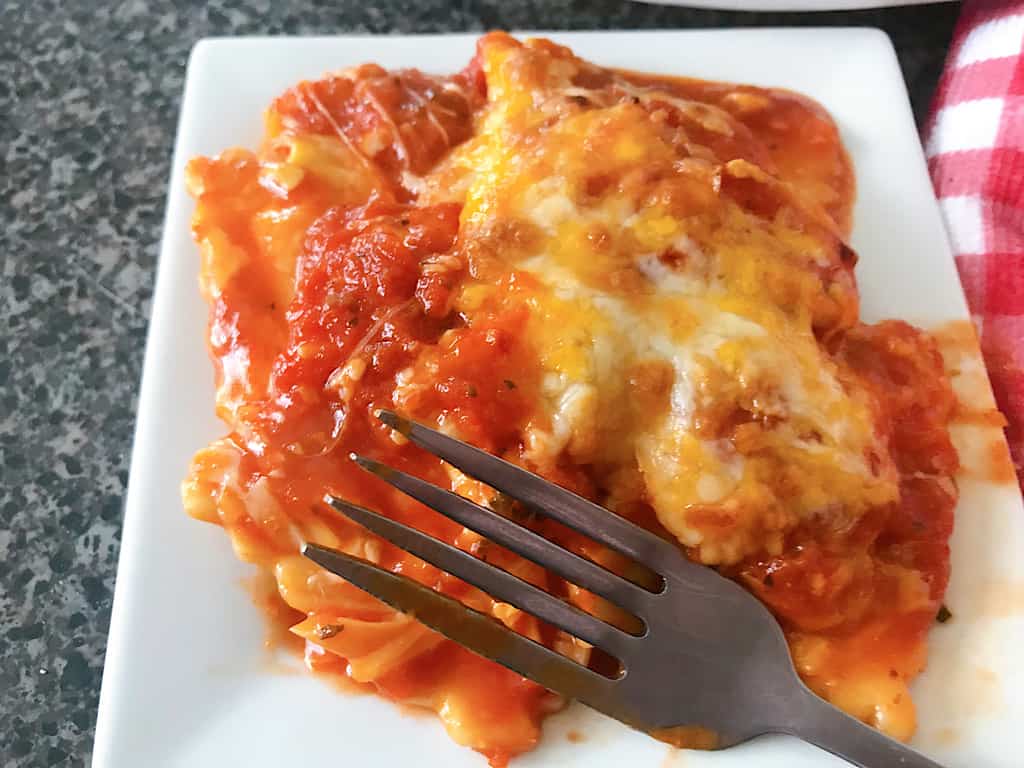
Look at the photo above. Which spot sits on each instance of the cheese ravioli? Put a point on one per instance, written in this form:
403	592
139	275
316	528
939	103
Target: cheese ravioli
637	286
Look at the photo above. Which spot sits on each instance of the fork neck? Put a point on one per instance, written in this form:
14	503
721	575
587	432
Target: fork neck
816	721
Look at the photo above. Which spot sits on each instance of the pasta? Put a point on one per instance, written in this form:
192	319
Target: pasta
636	286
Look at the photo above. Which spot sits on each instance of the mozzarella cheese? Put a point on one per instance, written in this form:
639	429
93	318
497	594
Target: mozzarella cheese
679	304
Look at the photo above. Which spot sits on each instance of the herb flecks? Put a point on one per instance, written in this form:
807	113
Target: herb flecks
327	631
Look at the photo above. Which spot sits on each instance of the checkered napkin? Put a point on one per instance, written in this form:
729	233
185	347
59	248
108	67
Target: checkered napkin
975	148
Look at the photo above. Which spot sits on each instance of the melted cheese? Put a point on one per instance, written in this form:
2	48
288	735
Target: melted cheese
675	326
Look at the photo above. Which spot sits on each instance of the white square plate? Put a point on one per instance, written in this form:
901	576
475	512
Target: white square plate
187	680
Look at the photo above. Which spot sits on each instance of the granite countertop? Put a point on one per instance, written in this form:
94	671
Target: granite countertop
89	97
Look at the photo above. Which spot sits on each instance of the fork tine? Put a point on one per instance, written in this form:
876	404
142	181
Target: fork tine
515	537
494	581
540	495
478	632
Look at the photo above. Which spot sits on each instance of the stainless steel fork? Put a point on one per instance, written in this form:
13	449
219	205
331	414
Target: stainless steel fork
709	653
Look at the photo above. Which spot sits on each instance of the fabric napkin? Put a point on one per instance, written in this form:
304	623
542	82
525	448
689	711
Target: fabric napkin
974	140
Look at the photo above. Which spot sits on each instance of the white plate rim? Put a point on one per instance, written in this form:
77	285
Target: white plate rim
132	571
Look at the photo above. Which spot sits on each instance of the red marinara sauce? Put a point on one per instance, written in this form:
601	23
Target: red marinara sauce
363	309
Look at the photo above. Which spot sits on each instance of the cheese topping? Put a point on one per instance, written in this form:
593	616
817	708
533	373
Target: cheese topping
668	312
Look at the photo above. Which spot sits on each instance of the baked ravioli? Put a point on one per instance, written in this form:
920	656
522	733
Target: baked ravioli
636	286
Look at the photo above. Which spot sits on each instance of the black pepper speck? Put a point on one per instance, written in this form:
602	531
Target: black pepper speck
89	97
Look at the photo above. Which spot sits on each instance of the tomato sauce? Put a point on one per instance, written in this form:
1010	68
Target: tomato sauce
302	375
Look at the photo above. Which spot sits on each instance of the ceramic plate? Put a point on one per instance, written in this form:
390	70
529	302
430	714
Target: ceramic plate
189	682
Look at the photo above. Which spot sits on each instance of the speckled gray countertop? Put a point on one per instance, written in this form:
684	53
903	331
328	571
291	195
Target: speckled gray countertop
89	97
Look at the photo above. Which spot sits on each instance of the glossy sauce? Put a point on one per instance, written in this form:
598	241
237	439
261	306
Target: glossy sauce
303	365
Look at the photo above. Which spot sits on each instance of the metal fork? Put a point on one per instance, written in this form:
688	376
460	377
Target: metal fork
709	654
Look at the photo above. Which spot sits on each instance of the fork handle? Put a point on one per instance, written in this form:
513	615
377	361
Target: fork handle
833	730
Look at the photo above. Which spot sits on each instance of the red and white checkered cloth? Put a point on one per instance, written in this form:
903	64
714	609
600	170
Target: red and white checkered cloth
975	147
